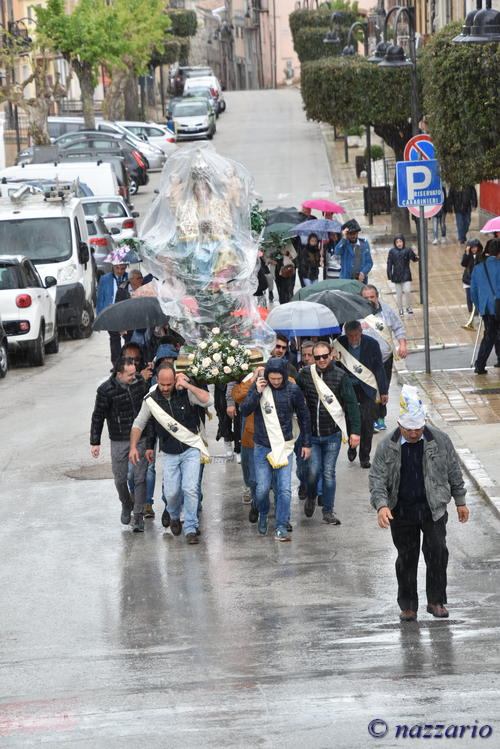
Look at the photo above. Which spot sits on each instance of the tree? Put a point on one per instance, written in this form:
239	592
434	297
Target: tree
462	106
309	28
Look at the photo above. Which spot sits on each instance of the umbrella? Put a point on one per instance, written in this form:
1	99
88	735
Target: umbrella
278	214
319	226
344	305
325	206
492	225
303	319
131	314
344	284
281	227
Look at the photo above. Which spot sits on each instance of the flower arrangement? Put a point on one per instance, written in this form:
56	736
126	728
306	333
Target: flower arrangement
220	358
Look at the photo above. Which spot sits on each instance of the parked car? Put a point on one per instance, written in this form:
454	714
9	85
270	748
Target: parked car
116	214
134	165
203	93
194	118
101	243
194	87
4	354
101	178
27	309
158	135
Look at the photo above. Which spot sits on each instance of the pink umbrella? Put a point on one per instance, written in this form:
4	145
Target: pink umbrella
325	206
492	225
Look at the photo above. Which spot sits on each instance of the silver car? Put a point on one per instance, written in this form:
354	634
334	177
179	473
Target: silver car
154	155
119	218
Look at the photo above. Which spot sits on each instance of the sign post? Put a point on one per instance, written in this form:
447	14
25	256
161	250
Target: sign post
419	185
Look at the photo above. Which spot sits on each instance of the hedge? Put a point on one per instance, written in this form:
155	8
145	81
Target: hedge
184	22
308	44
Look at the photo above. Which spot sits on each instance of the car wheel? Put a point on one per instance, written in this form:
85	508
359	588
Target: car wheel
4	360
36	351
53	346
84	330
223	106
133	187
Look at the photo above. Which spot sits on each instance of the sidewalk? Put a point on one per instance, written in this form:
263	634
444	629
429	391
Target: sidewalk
465	405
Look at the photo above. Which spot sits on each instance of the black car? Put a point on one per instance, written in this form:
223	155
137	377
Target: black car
134	162
4	357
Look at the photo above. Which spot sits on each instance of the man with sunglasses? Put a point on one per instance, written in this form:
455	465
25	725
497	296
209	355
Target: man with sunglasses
334	413
280	351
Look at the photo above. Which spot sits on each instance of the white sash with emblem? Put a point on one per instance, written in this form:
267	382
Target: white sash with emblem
176	429
329	400
280	448
377	323
357	369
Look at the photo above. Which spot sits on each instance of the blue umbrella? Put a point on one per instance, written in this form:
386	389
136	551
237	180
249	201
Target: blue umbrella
319	226
303	319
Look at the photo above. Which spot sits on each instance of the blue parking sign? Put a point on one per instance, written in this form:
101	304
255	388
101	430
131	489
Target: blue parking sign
418	183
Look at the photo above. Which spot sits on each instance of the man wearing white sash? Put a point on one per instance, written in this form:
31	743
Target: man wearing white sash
274	400
360	356
170	411
384	326
334	413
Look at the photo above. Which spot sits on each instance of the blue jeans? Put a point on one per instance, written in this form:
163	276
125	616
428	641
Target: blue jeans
248	468
463	223
264	475
150	481
181	480
323	461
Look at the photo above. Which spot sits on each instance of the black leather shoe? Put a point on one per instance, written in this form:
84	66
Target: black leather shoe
302	491
364	463
480	371
351	454
165	518
438	610
176	526
309	507
253	514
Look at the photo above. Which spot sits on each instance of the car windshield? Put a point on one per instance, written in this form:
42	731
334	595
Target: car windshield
8	277
43	240
106	210
205	92
190	110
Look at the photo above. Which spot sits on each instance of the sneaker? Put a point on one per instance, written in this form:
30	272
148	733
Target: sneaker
444	240
281	534
253	514
381	425
401	312
309	507
126	512
409	310
148	511
176	526
376	426
228	448
192	538
302	491
262	525
165	518
138	523
330	518
434	241
238	457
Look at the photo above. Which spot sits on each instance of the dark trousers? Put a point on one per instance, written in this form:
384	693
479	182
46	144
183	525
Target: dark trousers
115	344
285	288
368	410
491	338
382	409
406	537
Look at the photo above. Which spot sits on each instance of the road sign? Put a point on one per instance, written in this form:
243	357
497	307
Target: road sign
419	147
429	211
418	183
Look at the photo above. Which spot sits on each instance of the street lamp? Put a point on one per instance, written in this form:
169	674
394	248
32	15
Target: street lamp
480	25
332	36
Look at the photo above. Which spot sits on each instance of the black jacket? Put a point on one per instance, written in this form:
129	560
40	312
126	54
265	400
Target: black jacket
180	407
370	356
469	262
118	405
339	383
462	201
398	264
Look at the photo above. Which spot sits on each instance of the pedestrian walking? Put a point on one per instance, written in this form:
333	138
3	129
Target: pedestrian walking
107	289
473	255
309	260
334	413
301	470
273	400
398	271
485	295
170	411
384	326
415	474
284	273
354	251
439	221
461	200
118	401
361	357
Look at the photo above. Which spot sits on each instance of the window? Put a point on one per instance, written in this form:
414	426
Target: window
154	132
106	210
10	278
43	240
33	281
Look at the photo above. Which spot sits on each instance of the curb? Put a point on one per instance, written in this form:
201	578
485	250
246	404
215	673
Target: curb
470	463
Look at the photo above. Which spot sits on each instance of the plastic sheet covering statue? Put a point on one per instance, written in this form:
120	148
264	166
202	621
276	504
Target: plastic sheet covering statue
197	242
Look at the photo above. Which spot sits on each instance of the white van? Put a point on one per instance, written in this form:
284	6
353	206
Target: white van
52	233
98	175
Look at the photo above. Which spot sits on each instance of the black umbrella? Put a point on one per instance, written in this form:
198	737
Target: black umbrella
343	304
131	314
285	215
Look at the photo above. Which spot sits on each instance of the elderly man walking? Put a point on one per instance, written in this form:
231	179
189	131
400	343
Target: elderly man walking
274	399
118	401
384	326
173	409
415	474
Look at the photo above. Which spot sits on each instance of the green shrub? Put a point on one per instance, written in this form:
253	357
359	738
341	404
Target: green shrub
309	45
376	151
355	130
184	22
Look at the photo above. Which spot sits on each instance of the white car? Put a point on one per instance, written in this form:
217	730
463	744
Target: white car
27	309
116	214
158	135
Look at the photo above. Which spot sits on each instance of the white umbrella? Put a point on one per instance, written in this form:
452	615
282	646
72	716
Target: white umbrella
303	319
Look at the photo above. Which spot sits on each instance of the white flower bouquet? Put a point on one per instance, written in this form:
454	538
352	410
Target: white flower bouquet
219	358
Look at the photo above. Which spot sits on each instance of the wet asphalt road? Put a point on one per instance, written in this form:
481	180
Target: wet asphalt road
113	639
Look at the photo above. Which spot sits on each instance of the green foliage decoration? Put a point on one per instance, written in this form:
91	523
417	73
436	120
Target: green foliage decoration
183	22
309	28
462	106
377	152
309	45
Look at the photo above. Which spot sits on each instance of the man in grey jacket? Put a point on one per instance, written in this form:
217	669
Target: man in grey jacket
414	475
